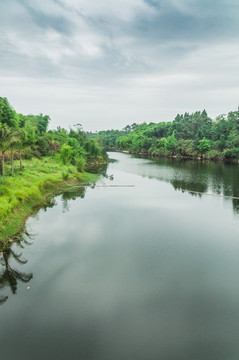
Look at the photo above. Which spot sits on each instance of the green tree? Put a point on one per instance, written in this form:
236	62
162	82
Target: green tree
204	145
26	138
161	143
171	143
42	122
13	143
66	154
7	114
6	136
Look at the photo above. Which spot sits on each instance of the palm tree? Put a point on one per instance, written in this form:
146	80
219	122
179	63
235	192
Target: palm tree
20	143
54	145
9	276
6	136
13	144
3	299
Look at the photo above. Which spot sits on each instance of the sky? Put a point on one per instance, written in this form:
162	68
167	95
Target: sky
109	63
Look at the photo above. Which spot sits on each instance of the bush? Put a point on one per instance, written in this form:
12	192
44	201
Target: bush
65	175
161	143
231	154
186	147
204	145
27	155
214	155
171	143
80	163
4	190
66	154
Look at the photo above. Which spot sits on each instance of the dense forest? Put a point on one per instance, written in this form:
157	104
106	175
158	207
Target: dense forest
193	135
26	136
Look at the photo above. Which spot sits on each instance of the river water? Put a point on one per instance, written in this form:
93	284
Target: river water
148	271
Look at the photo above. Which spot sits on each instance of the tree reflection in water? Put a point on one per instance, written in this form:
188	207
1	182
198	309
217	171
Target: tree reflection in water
76	191
199	178
72	194
9	276
9	258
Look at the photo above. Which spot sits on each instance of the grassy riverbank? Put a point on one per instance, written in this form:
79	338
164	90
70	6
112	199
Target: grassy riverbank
23	191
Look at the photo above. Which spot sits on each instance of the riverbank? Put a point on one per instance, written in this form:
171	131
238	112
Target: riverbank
22	193
212	155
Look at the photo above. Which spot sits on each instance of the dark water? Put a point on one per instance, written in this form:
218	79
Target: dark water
146	272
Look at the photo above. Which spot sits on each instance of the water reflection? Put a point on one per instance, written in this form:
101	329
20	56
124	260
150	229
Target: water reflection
9	275
3	299
72	194
10	258
79	191
130	273
220	179
195	176
99	169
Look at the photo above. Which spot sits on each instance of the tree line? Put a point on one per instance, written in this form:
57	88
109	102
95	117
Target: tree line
27	136
188	135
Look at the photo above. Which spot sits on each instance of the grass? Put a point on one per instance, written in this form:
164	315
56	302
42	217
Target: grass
20	193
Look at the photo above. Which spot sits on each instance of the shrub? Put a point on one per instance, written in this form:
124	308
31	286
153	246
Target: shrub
204	145
66	154
4	190
80	163
27	154
214	155
65	175
231	154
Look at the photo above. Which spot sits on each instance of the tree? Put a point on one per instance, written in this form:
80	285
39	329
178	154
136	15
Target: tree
42	122
9	276
161	143
204	145
13	145
7	114
6	135
26	138
66	154
171	142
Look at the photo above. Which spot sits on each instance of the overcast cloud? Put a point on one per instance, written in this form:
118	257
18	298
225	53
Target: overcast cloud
109	63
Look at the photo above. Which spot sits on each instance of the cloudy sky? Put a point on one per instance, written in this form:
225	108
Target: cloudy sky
109	63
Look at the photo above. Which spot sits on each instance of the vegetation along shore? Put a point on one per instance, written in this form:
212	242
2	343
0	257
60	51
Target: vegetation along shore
36	162
192	136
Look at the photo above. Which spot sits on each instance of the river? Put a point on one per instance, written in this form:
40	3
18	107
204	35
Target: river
142	266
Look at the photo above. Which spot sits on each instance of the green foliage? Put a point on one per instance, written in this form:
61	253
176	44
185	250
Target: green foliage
80	164
20	193
161	143
171	143
204	145
25	137
42	123
74	144
107	139
233	139
4	190
214	155
232	154
66	154
187	135
8	116
92	148
65	175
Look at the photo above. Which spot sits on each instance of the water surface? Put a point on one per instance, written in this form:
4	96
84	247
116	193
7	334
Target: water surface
146	272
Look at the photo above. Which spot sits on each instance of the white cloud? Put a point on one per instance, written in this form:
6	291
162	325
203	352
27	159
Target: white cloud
109	63
122	9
